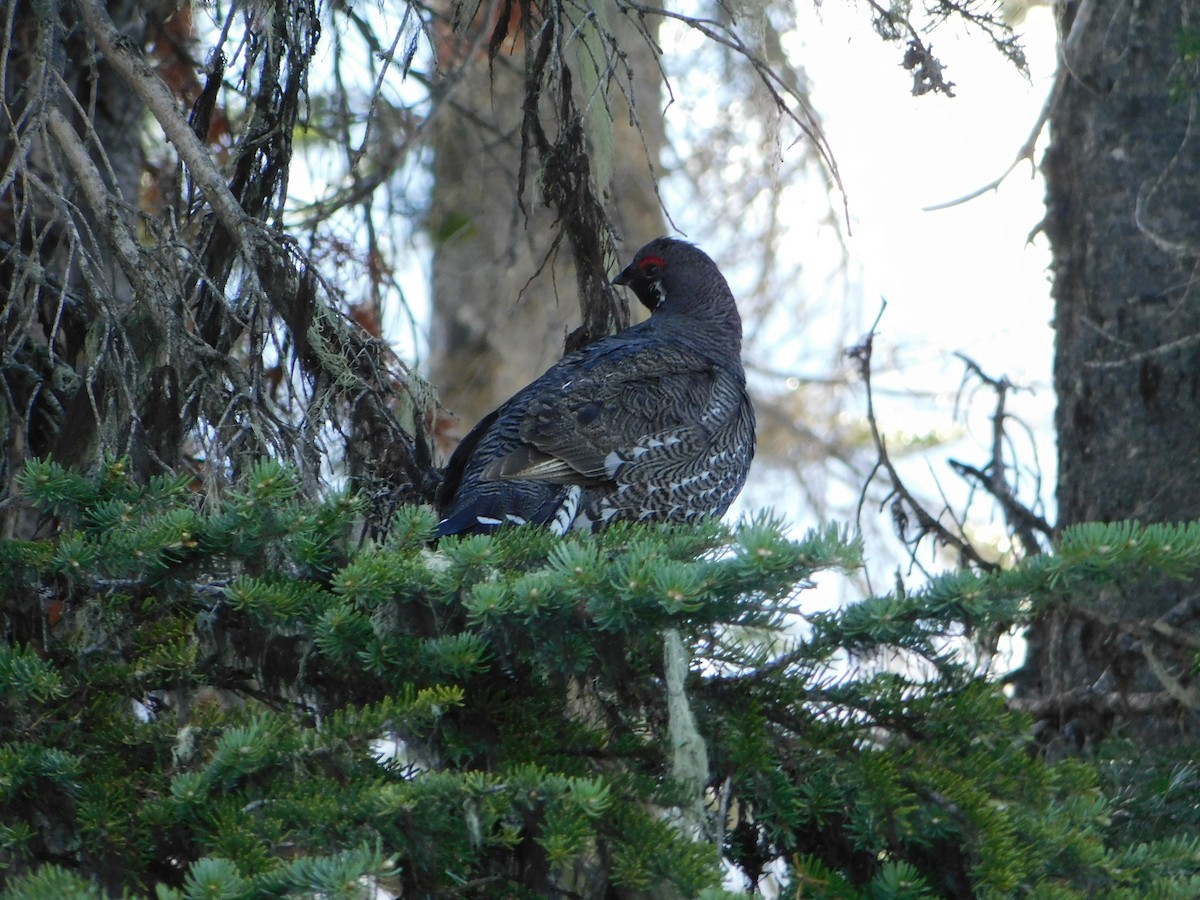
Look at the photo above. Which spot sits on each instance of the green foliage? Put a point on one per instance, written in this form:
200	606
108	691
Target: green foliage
236	698
52	882
1185	78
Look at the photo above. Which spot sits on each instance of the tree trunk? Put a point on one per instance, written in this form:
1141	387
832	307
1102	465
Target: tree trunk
1123	205
503	302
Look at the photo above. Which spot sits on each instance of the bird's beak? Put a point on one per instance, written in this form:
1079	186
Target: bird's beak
626	275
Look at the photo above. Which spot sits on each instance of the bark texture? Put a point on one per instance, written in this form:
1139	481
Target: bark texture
1123	198
505	297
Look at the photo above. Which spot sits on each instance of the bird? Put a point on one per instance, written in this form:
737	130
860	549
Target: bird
652	424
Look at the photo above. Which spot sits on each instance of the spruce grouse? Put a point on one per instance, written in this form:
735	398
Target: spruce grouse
652	424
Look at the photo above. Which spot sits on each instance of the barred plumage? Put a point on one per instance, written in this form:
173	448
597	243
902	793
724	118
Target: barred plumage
652	424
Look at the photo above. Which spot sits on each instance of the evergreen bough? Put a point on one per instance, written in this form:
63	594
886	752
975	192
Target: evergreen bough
238	697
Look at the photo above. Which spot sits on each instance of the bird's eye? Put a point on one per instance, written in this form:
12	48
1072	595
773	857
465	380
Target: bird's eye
651	267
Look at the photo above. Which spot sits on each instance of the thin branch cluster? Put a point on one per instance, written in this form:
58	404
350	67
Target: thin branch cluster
155	305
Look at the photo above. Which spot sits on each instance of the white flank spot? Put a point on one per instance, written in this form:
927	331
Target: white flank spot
612	463
565	514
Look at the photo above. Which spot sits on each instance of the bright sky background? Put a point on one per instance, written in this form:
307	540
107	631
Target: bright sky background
962	279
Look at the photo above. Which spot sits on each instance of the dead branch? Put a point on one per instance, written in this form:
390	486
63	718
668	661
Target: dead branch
720	33
1022	521
1087	700
143	80
904	504
1024	152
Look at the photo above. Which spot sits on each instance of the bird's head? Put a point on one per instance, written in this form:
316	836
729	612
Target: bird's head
668	275
644	276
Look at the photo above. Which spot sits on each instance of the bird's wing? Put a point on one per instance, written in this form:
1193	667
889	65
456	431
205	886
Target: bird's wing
460	460
612	410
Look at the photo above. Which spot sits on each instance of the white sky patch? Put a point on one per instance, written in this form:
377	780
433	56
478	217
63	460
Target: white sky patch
965	279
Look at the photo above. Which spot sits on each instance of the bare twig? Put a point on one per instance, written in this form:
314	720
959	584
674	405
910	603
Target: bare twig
146	83
720	33
1159	628
1025	152
904	504
1187	695
102	201
1022	521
